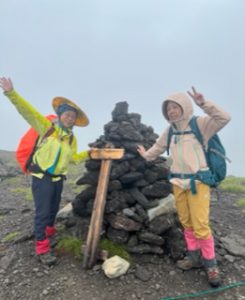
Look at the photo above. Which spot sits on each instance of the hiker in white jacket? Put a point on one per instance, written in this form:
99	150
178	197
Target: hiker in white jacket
189	158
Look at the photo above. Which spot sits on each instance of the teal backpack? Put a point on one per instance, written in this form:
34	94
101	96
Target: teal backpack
214	153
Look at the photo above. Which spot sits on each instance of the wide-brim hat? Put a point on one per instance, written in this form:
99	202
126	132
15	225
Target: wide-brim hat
81	120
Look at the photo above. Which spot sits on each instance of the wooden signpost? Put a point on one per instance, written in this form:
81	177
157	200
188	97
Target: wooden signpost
106	155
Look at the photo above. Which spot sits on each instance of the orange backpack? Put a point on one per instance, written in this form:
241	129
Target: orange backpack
27	145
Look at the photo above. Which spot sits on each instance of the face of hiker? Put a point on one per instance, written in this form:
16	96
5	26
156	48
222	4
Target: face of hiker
174	111
68	118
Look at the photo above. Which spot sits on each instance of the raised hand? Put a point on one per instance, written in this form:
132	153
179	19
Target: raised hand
6	84
197	97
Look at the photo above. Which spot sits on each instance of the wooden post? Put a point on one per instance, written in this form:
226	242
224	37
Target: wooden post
106	155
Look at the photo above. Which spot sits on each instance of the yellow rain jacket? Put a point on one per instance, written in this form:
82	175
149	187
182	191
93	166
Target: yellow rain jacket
53	150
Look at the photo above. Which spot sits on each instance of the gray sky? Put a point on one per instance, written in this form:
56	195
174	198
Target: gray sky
98	53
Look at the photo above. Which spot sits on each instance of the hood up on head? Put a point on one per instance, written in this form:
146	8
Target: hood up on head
184	101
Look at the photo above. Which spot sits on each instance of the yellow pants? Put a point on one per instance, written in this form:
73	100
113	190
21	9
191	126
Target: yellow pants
193	210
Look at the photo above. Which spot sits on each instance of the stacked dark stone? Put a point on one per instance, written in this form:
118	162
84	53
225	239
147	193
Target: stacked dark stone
135	186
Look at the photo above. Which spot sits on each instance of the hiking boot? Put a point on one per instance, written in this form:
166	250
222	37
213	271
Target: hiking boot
47	259
54	240
187	263
192	260
213	276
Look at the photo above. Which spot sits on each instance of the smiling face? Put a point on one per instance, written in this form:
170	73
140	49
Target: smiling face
68	118
174	111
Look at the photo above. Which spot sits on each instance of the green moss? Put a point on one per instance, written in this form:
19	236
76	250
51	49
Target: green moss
28	195
20	180
77	189
241	202
233	184
70	246
60	228
11	236
18	190
15	180
25	192
115	249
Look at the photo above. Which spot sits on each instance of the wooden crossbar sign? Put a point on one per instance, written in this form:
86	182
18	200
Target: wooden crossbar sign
106	155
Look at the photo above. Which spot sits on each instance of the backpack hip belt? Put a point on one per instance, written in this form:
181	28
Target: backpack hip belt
205	177
214	154
34	168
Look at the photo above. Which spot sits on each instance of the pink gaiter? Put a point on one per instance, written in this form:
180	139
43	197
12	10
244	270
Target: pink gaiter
191	241
207	248
50	231
42	246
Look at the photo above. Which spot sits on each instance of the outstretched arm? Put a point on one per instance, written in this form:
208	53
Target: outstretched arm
28	112
157	149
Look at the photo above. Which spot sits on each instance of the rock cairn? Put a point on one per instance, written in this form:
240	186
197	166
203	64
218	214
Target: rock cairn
135	188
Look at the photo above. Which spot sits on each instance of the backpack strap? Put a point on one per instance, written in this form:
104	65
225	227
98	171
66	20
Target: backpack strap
177	132
170	133
71	138
34	167
195	129
48	133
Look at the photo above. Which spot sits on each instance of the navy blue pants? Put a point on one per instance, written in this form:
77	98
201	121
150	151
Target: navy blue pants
47	197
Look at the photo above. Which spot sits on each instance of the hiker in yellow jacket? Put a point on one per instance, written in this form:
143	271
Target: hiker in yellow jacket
49	162
188	158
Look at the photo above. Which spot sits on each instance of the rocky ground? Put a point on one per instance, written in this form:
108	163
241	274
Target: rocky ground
150	278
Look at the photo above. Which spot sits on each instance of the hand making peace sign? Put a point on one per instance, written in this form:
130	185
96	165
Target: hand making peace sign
197	97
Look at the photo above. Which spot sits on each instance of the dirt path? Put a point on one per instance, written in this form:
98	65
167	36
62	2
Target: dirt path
152	277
